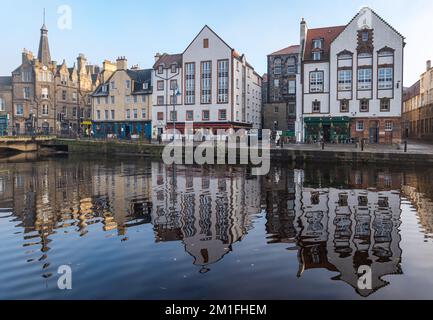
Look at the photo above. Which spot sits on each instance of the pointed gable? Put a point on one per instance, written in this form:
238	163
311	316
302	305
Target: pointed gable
207	39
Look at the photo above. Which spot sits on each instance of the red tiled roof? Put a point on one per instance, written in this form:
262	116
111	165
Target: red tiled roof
286	51
168	59
412	92
328	35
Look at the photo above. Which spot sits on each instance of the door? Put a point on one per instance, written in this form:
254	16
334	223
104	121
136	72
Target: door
374	135
327	133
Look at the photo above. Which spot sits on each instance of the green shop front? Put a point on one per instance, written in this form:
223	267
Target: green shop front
331	129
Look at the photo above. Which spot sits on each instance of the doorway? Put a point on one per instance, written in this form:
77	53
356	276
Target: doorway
374	132
327	133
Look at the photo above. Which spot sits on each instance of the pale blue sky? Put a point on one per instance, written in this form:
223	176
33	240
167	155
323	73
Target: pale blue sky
104	29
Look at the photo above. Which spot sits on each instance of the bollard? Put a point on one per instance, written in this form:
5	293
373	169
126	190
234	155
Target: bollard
405	146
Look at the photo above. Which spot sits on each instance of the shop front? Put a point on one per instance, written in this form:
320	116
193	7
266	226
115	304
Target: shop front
123	130
4	125
330	129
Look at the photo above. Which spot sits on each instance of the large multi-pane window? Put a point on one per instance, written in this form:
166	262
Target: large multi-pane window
190	83
2	104
344	80
291	66
292	87
45	109
365	79
385	78
277	66
206	82
316	81
223	81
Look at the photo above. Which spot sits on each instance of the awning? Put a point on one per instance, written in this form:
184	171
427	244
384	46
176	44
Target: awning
326	120
86	123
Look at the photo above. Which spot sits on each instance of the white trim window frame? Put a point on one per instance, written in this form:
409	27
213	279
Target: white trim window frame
365	79
359	126
385	78
190	83
316	81
345	80
223	81
206	82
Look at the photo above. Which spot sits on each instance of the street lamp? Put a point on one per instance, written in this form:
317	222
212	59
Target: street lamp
176	93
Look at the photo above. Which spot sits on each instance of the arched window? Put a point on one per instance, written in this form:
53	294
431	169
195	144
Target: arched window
277	66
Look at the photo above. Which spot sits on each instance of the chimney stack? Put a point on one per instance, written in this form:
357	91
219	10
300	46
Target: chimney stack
428	65
157	57
122	63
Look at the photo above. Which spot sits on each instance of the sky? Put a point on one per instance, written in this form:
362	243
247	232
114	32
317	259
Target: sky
138	29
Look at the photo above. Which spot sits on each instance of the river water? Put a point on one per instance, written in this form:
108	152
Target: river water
135	229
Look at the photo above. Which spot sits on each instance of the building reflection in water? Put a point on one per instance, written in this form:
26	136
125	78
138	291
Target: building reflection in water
337	218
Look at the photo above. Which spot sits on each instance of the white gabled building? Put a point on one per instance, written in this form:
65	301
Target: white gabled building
353	81
216	88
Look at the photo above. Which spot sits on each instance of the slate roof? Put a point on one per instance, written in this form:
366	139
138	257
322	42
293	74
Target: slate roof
139	77
412	92
168	59
286	51
5	81
328	34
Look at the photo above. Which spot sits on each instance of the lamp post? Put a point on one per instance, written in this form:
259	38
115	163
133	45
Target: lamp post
176	94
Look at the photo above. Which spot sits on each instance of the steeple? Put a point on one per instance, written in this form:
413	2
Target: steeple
44	55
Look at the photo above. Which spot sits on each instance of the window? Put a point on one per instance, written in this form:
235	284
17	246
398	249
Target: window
365	36
113	99
106	114
173	68
385	105
143	99
190	115
19	110
74	96
160	85
160	100
190	83
160	116
128	114
222	114
173	85
2	104
206	43
223	81
26	76
64	94
135	99
143	114
365	79
364	105
113	114
98	114
359	125
206	82
135	113
127	99
277	66
173	116
113	85
291	66
160	69
26	92
317	56
292	87
173	100
74	112
237	99
276	83
128	84
344	106
385	78
276	110
344	80
317	44
389	125
145	86
316	106
44	93
205	115
316	81
44	109
104	88
292	108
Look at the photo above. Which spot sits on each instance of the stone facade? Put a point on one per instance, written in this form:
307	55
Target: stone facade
281	89
5	105
418	107
51	99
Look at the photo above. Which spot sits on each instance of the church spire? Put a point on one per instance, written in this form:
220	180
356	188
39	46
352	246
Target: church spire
44	55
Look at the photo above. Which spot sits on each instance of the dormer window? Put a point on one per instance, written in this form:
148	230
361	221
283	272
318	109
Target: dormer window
145	86
173	68
317	44
104	88
160	69
317	56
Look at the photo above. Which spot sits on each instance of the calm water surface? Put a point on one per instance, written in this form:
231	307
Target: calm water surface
134	229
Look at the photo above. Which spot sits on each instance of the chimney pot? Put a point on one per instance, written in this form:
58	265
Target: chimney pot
428	65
